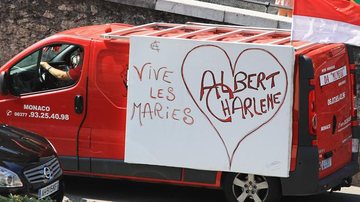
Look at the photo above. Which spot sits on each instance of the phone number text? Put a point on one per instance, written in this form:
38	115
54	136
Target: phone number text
44	115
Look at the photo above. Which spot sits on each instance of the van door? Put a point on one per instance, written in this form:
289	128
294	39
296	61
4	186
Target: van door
42	103
330	108
106	114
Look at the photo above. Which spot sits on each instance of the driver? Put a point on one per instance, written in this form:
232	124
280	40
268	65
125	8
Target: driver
73	74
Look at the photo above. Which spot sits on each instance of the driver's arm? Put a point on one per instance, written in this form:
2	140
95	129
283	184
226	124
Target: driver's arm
57	73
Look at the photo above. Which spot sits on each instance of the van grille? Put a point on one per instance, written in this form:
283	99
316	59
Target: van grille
45	172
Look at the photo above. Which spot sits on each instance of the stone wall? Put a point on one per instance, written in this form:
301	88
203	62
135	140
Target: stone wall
23	22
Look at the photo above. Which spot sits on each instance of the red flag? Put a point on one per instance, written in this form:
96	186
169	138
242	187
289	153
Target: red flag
327	21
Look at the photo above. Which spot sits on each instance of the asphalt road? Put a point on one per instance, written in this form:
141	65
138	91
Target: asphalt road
87	189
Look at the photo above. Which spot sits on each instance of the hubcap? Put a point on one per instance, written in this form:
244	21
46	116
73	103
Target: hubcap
250	188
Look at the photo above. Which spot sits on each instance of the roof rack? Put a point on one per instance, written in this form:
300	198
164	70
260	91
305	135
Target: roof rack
235	26
215	32
304	46
280	41
122	32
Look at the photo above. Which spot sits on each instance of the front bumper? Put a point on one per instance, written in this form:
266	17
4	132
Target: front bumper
30	191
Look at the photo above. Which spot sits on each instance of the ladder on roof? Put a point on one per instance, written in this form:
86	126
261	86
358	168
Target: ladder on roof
192	28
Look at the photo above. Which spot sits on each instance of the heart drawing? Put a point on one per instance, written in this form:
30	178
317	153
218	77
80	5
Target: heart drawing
239	93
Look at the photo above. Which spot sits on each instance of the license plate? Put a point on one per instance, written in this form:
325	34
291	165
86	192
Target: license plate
326	163
48	190
355	145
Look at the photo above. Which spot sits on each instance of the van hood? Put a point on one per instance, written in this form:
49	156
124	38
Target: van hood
17	145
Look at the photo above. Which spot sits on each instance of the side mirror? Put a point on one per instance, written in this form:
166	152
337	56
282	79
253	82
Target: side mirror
4	87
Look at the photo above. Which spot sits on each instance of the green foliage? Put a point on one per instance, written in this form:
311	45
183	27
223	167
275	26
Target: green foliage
16	198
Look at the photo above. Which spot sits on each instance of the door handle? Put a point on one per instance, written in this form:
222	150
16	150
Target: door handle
79	104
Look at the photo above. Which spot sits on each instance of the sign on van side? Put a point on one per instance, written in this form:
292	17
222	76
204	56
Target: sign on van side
210	105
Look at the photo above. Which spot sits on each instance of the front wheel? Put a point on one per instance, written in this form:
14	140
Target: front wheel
251	188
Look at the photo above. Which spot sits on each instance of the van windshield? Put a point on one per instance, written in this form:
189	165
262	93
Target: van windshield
50	52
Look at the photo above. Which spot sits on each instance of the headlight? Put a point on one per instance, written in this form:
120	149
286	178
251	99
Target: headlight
9	178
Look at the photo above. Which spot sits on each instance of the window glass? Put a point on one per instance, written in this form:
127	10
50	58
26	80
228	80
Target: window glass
30	60
51	67
49	53
23	74
113	86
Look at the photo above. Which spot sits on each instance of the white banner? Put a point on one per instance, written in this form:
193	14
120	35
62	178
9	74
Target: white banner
326	21
210	105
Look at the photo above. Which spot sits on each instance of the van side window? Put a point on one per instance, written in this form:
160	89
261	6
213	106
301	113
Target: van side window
51	67
21	75
111	75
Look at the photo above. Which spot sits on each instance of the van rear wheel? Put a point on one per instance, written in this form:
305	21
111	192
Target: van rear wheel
251	188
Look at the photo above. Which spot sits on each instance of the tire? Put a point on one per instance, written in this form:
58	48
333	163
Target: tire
240	187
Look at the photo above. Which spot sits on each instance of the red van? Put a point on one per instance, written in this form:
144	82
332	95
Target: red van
85	119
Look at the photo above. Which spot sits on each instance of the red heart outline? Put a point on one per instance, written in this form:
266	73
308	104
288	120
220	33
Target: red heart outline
231	156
